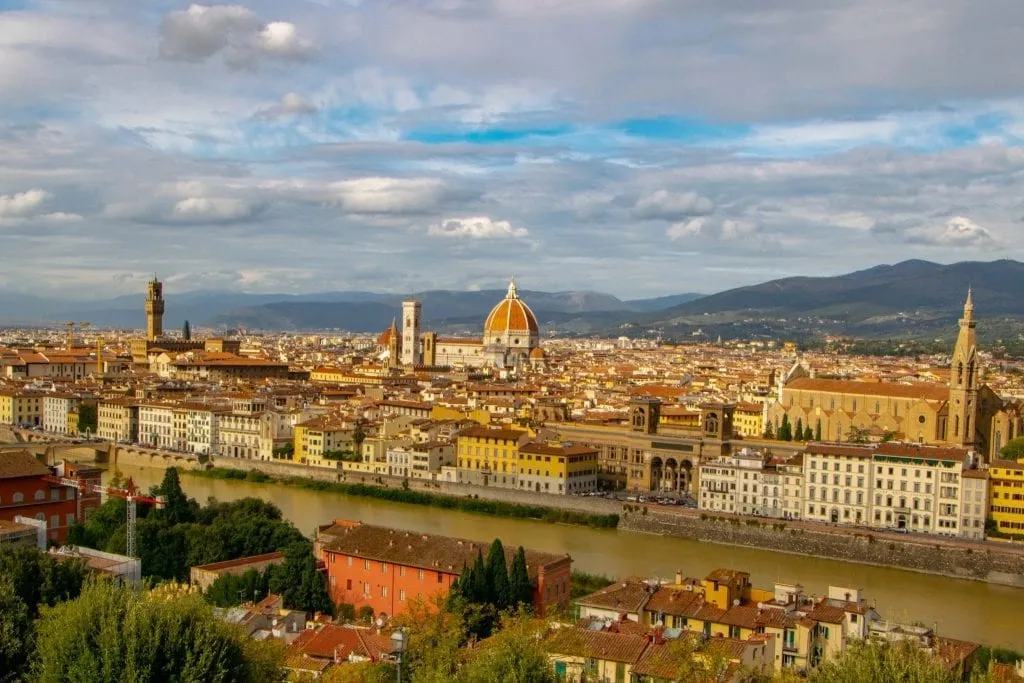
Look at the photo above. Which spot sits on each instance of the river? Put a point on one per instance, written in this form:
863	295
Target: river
970	610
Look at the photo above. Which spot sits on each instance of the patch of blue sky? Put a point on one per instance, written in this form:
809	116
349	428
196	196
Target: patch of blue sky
682	129
13	5
487	136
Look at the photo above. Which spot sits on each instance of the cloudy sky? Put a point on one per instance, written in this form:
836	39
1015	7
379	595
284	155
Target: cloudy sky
637	147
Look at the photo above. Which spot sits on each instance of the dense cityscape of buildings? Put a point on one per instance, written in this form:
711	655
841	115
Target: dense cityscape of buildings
886	443
744	428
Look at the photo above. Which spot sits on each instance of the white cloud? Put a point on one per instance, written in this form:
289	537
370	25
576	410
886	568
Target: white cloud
202	31
378	195
211	210
478	228
958	231
725	230
22	204
292	104
671	206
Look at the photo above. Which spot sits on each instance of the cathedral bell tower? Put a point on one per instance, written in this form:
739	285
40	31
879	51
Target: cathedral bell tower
154	310
964	382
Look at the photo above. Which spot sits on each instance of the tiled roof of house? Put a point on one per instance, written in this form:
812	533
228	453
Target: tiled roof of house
15	464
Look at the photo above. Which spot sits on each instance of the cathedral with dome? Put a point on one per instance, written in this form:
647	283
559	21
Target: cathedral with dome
511	340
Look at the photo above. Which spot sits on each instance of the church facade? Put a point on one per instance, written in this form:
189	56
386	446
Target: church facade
511	339
965	413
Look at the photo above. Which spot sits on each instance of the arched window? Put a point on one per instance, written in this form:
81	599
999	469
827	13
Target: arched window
970	374
18	497
39	495
960	373
956	425
40	516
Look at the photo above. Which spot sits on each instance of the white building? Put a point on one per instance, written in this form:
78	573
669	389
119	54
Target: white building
973	503
837	483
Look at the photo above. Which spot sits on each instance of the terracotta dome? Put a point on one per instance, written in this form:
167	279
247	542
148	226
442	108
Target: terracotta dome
537	354
385	337
511	315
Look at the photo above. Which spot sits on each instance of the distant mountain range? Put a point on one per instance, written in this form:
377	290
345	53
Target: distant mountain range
909	299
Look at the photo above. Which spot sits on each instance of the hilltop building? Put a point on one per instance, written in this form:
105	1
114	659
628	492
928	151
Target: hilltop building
966	413
511	339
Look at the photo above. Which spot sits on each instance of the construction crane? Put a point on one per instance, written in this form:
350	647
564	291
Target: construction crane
129	493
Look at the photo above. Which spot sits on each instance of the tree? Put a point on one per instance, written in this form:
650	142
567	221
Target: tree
114	633
497	575
769	431
817	430
186	331
799	433
876	661
785	430
437	632
178	508
808	433
358	437
298	581
519	589
16	635
857	434
515	654
87	419
39	579
479	589
1014	449
229	590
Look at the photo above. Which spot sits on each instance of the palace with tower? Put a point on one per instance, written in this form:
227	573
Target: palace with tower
511	339
155	341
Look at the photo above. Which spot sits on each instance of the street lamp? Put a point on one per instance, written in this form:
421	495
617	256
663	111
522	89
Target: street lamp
399	641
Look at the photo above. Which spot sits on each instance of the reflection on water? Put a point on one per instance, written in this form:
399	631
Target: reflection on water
969	610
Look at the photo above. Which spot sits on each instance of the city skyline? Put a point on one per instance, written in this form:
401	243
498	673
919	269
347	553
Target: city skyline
611	146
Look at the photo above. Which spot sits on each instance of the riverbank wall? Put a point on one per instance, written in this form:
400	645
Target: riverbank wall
989	564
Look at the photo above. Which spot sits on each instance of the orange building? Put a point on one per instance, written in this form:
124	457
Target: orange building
25	492
386	568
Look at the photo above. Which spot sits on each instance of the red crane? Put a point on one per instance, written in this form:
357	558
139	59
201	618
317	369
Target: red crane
129	493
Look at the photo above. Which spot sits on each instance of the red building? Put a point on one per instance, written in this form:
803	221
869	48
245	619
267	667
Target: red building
25	492
385	568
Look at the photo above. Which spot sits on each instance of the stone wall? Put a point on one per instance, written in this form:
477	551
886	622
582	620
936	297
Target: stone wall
986	564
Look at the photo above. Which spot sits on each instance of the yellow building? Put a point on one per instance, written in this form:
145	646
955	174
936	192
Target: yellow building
489	456
748	419
117	420
315	438
21	408
561	468
73	421
1006	502
447	413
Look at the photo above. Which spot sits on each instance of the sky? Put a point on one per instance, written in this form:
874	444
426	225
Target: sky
634	147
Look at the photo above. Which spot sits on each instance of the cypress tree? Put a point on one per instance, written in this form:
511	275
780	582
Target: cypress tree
817	431
519	588
808	433
799	428
785	430
769	431
479	590
186	331
497	575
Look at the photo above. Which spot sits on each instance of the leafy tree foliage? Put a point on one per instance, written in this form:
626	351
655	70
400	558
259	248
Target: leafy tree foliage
298	581
857	434
112	633
229	590
38	579
1014	449
514	655
178	508
87	418
875	661
16	635
769	430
